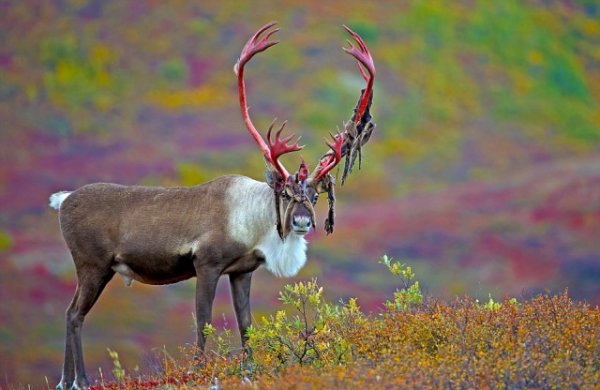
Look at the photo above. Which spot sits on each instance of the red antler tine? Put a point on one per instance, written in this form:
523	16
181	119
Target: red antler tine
364	59
271	150
280	146
253	47
328	164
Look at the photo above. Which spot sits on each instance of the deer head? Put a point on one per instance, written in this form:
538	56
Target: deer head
296	194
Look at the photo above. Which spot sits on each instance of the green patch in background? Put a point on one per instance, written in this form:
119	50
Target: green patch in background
5	241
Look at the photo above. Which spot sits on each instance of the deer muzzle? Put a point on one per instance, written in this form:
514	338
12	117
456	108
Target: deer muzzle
302	218
301	224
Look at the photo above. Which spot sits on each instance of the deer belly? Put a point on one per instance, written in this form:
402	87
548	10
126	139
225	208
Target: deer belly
154	272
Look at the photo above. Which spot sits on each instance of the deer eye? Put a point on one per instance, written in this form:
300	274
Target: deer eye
285	195
315	198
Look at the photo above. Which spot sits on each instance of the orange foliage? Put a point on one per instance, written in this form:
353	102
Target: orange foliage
547	342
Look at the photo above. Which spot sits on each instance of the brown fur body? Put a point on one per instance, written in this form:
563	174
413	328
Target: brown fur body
155	231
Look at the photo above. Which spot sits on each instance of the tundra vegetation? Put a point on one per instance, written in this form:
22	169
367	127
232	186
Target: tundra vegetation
548	341
488	142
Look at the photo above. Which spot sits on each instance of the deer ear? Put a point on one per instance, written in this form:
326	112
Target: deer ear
274	179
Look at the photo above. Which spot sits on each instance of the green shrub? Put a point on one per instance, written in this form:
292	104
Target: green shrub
310	332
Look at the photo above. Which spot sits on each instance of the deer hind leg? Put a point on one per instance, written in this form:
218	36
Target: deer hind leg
68	374
91	282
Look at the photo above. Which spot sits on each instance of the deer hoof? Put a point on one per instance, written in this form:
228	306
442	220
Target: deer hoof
60	386
82	385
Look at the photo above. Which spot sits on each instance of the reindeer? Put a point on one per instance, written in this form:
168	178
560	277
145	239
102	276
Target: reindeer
228	226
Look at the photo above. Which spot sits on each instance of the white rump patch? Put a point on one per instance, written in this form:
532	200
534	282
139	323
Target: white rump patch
57	199
252	221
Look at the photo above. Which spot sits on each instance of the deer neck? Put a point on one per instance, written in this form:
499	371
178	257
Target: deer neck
252	221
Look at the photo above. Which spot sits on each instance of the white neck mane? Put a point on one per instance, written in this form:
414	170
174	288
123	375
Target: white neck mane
252	221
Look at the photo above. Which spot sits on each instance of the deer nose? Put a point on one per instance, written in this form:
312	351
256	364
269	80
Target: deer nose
301	224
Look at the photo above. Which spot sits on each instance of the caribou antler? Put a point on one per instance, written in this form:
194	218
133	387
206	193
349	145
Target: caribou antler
347	144
334	156
358	130
280	146
363	58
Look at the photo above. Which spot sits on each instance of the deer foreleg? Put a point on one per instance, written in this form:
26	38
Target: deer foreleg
240	291
206	285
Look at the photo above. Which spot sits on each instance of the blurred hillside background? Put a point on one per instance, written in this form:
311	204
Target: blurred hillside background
483	174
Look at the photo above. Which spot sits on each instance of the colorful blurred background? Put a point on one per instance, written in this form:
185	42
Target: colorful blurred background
483	174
